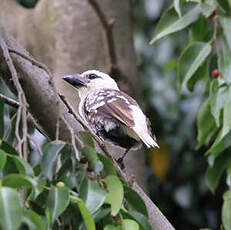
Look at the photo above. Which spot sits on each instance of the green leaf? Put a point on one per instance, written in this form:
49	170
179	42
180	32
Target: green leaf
22	166
108	166
92	157
1	119
220	144
93	196
2	159
224	5
134	199
207	8
128	224
116	193
201	73
10	209
205	124
228	177
18	181
101	213
50	154
170	23
191	59
217	96
57	202
226	210
224	60
227	112
87	138
33	220
87	218
112	227
141	219
177	7
214	172
197	31
8	148
226	24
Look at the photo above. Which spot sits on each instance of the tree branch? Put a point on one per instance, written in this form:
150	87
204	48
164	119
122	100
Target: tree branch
47	107
9	101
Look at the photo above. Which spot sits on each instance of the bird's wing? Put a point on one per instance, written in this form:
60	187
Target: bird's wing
119	110
115	104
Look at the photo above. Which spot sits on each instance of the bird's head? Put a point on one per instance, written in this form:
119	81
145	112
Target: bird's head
90	80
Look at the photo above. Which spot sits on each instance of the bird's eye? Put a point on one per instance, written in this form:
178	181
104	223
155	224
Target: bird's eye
93	76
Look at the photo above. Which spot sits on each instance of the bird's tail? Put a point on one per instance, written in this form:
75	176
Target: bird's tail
147	139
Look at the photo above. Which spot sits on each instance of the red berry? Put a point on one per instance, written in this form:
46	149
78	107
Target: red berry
213	14
216	73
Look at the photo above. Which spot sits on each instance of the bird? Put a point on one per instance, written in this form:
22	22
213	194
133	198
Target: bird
112	115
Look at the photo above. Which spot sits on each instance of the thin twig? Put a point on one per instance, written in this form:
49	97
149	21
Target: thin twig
9	101
22	111
57	129
73	137
6	133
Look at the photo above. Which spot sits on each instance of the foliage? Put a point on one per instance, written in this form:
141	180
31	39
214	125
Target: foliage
53	190
207	58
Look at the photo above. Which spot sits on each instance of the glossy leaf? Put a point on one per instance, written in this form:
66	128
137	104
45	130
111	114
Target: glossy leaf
226	210
226	24
8	148
33	220
19	181
112	227
141	219
92	157
1	119
116	193
177	7
50	154
207	8
227	112
214	172
57	202
87	218
170	23
10	209
205	123
191	59
92	195
228	177
22	166
200	74
108	166
87	138
134	199
220	144
2	159
224	4
197	32
224	60
128	224
217	95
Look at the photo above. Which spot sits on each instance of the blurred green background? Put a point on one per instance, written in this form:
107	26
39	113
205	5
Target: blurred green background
176	171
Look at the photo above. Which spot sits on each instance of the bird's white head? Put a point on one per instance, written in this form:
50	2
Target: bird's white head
89	81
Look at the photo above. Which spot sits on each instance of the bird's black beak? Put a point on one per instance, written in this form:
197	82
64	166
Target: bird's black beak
76	80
